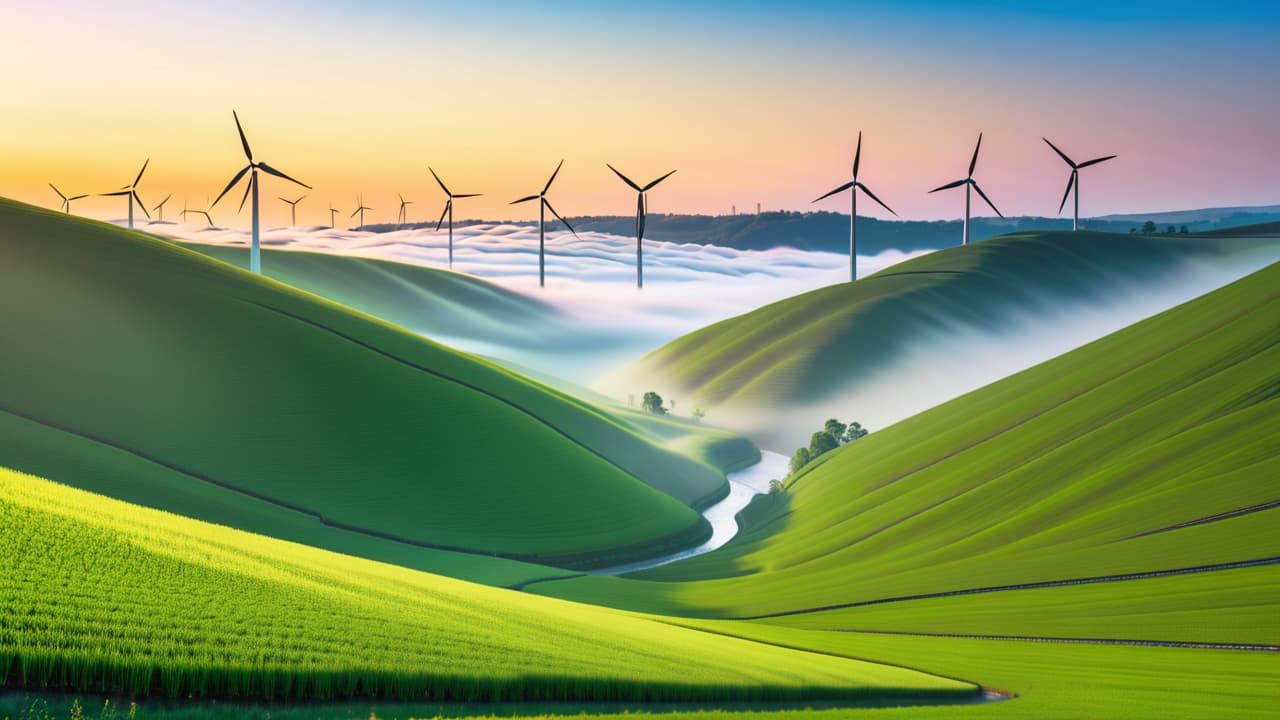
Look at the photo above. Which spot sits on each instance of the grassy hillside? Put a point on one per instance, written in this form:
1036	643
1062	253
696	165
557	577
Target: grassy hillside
816	348
1152	449
104	595
219	378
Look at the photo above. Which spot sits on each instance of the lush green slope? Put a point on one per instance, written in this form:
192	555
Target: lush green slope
1143	451
101	595
828	344
227	379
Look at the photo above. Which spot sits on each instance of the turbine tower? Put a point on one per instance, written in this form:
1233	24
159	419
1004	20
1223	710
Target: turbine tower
360	208
255	252
66	201
853	186
543	205
642	212
1074	180
160	208
293	209
131	192
448	210
332	213
402	218
969	183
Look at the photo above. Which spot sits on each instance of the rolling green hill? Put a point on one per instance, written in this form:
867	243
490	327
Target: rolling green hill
103	595
1150	450
244	398
865	347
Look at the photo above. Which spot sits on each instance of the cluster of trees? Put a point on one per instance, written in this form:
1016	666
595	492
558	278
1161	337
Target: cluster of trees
652	403
832	435
1149	228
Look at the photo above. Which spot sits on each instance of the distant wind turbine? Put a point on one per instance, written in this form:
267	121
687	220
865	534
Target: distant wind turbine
543	205
66	201
293	209
255	252
642	212
402	218
332	213
969	183
448	210
1074	180
360	208
131	192
853	186
208	218
160	208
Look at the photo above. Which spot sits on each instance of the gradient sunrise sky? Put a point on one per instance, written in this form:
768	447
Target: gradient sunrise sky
751	101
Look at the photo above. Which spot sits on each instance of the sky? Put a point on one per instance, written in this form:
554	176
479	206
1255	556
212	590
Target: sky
752	102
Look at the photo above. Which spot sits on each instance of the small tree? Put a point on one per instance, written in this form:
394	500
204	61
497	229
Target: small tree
1148	227
800	459
821	442
777	487
836	428
652	403
698	414
854	432
1184	230
1170	230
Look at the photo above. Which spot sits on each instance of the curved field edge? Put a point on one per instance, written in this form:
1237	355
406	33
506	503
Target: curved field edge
178	350
104	596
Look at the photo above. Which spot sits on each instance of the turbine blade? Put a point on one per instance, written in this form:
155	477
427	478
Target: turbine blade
1095	161
466	195
524	199
872	195
625	179
1070	181
162	202
643	215
857	155
268	169
655	182
247	152
117	193
64	197
141	206
984	197
232	184
77	197
443	213
950	185
553	212
1060	153
144	169
441	182
840	189
355	212
553	179
973	164
300	199
247	187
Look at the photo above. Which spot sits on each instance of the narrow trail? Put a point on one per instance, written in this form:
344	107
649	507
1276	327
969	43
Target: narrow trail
1078	641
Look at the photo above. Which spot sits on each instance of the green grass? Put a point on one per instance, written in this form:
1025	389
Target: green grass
225	378
103	595
1052	474
804	349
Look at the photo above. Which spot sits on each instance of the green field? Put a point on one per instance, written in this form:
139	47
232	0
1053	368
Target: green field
130	346
103	595
1081	467
820	348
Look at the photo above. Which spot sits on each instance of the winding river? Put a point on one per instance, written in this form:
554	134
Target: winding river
723	516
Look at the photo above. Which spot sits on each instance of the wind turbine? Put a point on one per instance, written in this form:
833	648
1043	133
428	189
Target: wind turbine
360	208
66	201
255	253
642	211
853	186
160	208
448	210
293	209
1074	180
131	191
969	183
403	217
332	212
208	218
544	205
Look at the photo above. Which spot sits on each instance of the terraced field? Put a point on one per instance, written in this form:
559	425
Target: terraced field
103	595
133	352
910	335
